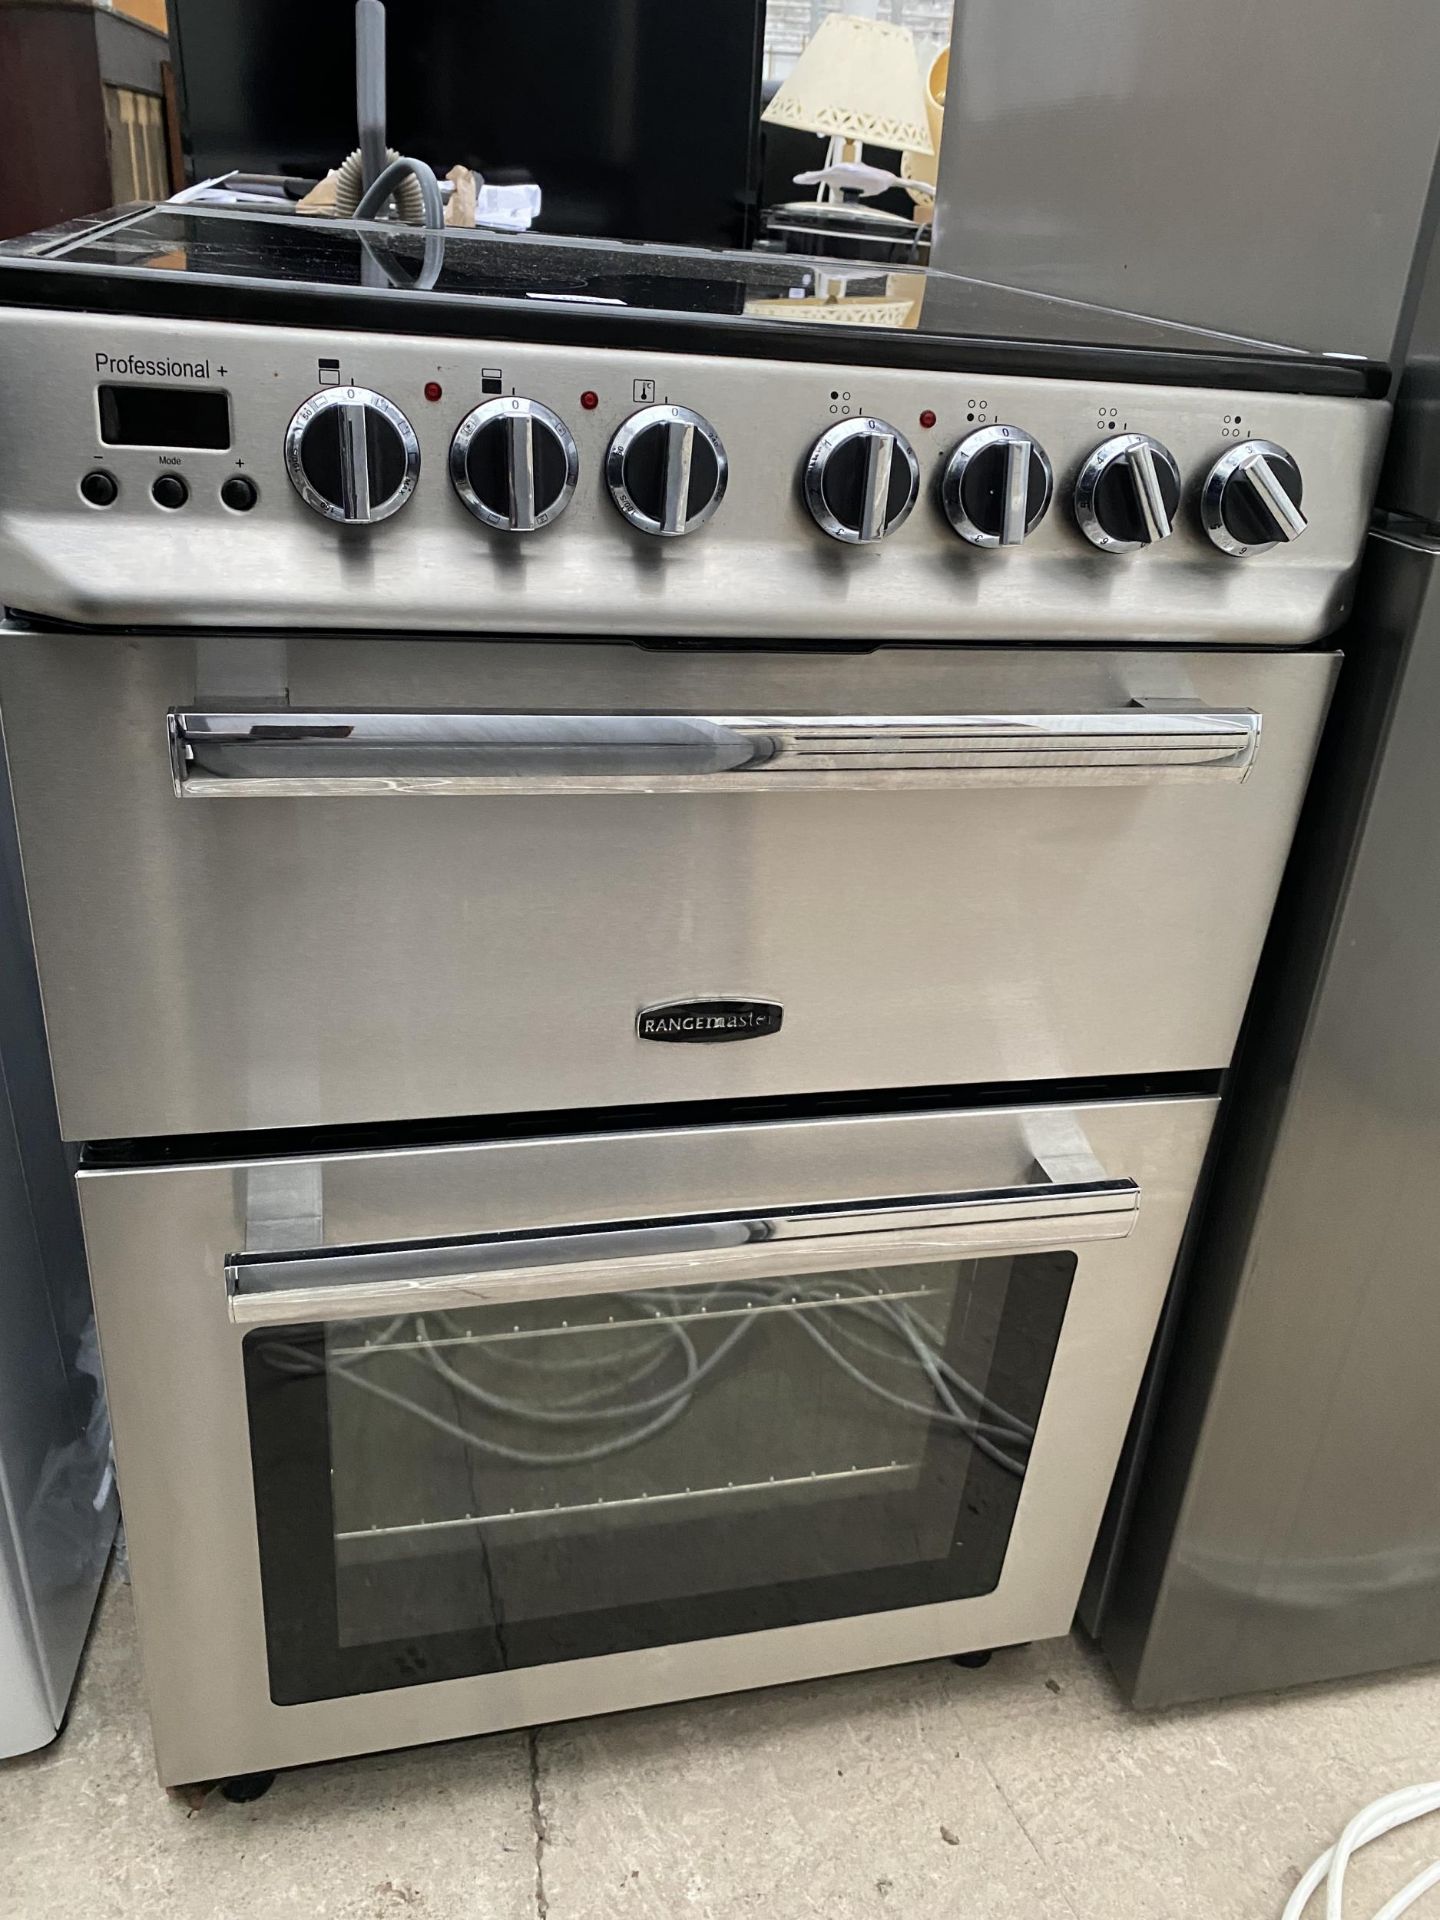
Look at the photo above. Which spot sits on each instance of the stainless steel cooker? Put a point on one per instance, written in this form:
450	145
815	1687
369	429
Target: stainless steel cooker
641	908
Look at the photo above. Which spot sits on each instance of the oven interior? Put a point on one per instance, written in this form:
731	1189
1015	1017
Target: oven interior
506	1486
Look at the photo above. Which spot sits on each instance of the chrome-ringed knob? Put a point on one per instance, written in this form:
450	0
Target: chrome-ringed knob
514	464
861	480
1128	493
1251	499
352	455
667	470
997	486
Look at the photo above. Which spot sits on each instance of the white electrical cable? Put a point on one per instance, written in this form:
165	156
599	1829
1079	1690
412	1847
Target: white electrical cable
837	1302
1380	1817
902	1324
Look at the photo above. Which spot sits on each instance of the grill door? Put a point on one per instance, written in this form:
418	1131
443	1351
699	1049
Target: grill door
446	878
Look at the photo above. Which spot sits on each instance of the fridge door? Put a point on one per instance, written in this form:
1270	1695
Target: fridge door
27	1714
1410	477
1287	1527
57	1503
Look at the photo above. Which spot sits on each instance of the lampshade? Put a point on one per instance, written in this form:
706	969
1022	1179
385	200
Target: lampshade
859	79
920	171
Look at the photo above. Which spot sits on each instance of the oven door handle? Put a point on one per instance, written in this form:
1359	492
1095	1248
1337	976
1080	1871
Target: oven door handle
286	753
269	1289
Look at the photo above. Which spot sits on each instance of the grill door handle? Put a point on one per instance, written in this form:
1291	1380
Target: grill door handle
355	1284
289	754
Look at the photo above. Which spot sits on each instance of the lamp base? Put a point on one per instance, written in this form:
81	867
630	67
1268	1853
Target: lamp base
837	212
846	231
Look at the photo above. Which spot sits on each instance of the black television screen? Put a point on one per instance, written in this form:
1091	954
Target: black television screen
638	118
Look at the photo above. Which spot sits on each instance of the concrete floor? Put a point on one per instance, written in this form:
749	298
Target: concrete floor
1025	1791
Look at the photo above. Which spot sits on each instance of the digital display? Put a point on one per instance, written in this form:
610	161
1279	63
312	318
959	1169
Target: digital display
164	417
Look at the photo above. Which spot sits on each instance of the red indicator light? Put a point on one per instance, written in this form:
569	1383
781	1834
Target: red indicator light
433	390
589	400
927	418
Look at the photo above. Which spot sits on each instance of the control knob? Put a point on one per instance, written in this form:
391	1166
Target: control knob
996	487
352	455
514	464
861	480
1127	493
1251	498
666	469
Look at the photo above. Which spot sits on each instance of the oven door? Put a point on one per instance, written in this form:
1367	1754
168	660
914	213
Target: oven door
428	1442
462	877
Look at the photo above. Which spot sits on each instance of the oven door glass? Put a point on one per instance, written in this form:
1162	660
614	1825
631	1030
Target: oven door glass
455	1492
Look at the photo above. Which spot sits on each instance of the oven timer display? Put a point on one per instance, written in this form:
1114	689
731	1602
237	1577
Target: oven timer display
186	417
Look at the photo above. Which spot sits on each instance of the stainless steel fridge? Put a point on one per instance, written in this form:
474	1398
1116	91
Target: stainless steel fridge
1284	1525
1259	169
57	1495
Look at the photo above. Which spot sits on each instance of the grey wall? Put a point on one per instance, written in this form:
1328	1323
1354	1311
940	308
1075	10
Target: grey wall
1258	166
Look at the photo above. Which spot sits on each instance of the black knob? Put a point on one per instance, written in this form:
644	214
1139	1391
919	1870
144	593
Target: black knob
239	494
101	489
1128	493
352	455
514	464
1251	499
861	480
996	487
170	491
667	470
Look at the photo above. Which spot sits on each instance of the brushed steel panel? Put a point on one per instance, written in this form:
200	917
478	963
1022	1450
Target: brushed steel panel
1287	1528
318	961
159	1239
759	568
1186	161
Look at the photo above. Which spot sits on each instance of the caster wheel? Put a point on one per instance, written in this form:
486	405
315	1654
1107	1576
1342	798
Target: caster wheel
244	1787
980	1659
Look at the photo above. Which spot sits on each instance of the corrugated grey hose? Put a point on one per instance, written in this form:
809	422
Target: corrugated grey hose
387	181
350	189
408	181
370	88
373	174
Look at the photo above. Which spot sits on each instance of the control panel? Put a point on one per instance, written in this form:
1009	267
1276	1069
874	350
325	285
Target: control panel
353	456
269	476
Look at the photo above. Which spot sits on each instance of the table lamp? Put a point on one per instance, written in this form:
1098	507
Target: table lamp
856	80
